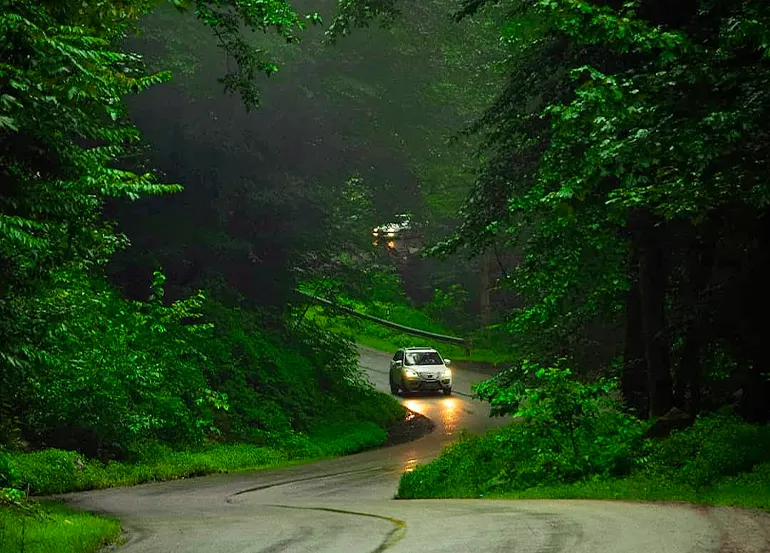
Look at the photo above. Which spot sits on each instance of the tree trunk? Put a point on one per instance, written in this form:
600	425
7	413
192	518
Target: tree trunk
634	378
688	376
755	406
652	289
755	306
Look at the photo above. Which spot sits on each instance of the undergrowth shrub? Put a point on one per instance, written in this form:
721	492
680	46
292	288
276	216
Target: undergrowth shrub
150	390
747	489
51	470
108	373
8	472
287	381
565	431
579	428
716	446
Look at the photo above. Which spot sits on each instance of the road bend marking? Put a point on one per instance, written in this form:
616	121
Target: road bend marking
392	538
231	498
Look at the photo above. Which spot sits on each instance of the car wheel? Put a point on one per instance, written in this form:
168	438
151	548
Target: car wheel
447	391
393	388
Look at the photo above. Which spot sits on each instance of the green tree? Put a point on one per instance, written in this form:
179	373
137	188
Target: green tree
625	163
65	147
639	185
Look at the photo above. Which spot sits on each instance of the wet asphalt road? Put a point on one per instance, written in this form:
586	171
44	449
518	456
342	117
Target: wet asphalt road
345	506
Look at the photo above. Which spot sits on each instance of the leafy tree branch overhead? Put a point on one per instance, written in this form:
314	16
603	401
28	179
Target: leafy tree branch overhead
77	361
626	162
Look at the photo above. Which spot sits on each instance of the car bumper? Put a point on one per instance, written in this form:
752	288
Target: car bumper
420	385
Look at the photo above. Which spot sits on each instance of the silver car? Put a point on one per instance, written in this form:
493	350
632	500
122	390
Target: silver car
420	369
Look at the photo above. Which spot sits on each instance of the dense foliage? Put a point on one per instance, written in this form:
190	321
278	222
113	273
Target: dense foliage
626	163
276	194
81	367
624	180
622	174
567	431
500	464
574	440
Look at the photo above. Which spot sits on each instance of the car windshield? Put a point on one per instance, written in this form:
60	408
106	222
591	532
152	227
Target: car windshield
423	358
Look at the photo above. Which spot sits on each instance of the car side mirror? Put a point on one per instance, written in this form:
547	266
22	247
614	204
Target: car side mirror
399	363
447	361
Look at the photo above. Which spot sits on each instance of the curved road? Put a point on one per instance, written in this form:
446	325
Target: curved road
345	506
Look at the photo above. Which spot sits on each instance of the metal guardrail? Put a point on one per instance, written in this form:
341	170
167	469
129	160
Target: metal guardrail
467	344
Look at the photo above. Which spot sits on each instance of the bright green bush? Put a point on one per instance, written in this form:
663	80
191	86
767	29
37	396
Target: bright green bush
566	431
51	471
118	377
715	447
580	428
470	467
8	473
720	460
281	396
112	373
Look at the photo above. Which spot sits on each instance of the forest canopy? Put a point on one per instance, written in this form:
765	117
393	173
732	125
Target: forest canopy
609	159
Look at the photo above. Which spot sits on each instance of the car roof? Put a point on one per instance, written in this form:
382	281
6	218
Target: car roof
420	349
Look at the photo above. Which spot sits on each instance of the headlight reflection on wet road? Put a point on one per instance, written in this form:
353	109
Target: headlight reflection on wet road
410	464
416	405
446	412
449	408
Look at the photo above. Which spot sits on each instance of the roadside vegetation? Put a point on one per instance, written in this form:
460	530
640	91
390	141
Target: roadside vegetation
312	404
614	165
112	374
48	526
388	340
574	441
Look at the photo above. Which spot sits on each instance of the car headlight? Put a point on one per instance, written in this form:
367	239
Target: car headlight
409	373
447	373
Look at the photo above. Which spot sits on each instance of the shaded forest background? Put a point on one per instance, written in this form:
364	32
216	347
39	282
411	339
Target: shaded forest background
607	175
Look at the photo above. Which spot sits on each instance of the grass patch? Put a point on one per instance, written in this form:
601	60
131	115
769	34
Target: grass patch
387	340
749	490
54	527
46	527
718	461
55	471
360	425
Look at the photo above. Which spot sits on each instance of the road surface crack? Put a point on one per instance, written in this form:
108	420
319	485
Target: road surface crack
392	538
231	498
